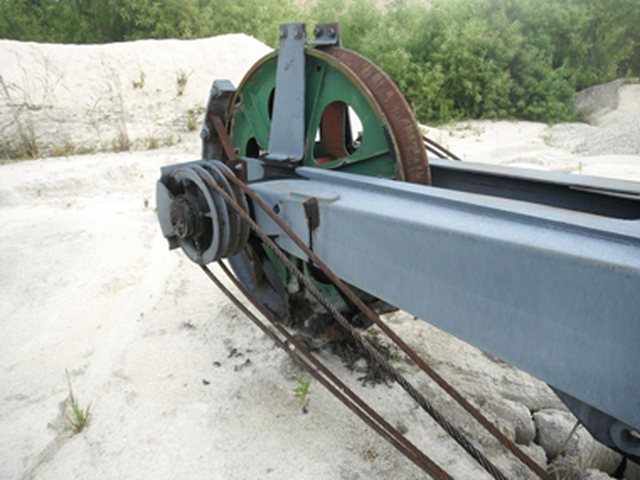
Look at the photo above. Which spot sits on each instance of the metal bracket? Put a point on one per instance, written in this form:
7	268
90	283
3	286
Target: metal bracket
286	138
326	35
221	93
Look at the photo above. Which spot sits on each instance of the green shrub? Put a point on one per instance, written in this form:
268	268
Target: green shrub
452	59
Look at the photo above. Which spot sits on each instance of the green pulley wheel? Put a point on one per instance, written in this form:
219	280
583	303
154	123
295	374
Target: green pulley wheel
356	121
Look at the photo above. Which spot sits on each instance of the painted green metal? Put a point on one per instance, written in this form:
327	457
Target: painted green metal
327	81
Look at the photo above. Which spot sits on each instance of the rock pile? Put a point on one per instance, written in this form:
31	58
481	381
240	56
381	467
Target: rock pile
613	113
525	409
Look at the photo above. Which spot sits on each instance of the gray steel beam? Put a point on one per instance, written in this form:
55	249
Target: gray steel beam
600	196
553	291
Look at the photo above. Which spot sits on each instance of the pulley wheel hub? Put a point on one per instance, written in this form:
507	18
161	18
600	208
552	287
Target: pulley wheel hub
184	217
195	216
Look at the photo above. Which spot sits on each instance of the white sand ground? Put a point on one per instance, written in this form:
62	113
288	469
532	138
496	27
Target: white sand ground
180	384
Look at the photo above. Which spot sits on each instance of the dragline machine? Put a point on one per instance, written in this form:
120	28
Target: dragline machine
318	148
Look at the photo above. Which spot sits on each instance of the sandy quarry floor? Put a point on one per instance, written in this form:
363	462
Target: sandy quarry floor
180	384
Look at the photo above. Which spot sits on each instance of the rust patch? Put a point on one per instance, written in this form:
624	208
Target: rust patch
413	156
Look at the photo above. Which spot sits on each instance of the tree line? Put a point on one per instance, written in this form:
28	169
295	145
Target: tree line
452	59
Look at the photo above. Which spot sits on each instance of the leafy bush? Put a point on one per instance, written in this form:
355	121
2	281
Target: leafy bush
461	59
452	59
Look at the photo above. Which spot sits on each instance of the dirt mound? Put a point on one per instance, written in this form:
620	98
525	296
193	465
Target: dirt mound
613	111
622	138
64	99
611	102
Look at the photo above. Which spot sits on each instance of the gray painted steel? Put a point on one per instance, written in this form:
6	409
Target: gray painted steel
600	196
286	138
221	93
553	291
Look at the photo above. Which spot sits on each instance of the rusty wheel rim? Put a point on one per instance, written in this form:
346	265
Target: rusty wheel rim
412	159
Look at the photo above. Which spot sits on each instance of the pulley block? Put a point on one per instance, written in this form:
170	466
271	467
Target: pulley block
195	217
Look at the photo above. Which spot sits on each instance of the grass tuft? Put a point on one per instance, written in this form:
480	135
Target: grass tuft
181	81
78	418
301	392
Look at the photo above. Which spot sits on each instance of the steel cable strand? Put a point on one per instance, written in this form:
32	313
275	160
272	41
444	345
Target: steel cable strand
338	388
344	323
437	149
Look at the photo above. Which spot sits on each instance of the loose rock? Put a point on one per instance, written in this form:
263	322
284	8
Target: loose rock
513	419
553	429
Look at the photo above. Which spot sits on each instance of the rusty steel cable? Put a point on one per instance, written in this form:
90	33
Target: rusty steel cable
464	403
437	149
344	323
321	373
